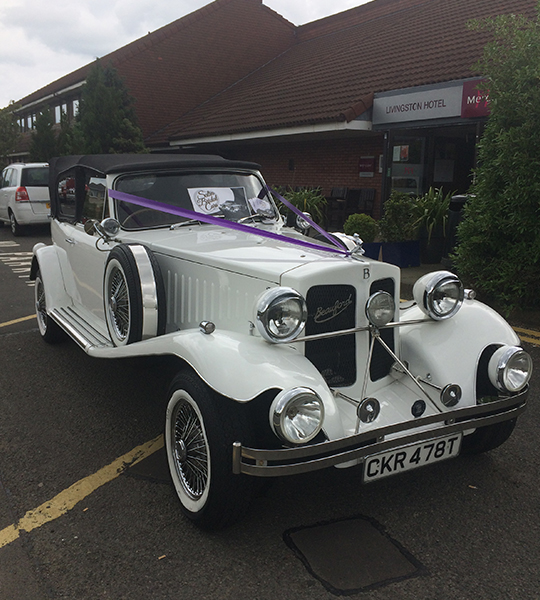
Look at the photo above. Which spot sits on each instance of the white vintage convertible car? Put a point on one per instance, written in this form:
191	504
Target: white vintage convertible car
292	352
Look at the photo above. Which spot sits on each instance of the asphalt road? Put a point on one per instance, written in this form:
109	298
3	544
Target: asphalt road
469	527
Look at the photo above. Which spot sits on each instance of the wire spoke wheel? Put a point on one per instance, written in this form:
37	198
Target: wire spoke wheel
119	306
200	430
41	307
191	452
48	329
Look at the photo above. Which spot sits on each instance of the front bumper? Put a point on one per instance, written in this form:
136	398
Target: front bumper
291	461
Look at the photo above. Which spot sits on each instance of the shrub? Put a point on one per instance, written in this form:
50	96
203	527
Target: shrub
401	218
499	237
434	205
308	200
364	225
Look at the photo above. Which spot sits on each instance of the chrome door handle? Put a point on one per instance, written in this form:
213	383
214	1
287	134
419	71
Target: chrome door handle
70	241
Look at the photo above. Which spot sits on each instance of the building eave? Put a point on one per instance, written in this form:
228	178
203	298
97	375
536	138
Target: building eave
341	126
45	99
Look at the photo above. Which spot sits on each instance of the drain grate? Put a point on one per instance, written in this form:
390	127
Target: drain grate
352	555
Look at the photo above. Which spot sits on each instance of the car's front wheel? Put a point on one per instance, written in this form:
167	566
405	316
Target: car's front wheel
48	329
200	430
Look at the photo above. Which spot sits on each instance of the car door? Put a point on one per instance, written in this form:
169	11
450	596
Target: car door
83	255
7	174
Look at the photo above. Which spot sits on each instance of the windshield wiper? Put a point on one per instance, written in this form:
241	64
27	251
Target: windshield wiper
193	222
255	217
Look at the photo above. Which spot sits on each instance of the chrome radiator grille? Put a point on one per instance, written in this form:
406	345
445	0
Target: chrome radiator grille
334	308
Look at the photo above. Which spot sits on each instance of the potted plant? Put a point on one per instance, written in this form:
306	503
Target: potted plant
399	230
433	222
308	200
368	230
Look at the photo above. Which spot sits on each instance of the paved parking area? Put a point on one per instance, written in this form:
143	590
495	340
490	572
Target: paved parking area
99	524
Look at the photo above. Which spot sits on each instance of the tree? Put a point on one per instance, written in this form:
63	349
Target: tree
106	117
70	138
43	145
9	133
499	238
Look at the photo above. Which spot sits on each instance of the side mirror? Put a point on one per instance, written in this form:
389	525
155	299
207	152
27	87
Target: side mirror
107	229
90	226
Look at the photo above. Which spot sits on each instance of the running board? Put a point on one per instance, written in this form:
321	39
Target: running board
77	328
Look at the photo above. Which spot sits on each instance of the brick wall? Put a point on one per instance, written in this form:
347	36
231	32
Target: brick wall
326	164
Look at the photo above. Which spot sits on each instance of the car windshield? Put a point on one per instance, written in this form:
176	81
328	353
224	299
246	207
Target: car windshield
230	195
35	177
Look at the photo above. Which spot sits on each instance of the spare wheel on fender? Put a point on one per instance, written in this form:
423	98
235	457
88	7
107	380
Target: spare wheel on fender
134	295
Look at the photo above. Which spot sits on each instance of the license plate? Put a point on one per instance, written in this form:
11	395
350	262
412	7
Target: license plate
411	457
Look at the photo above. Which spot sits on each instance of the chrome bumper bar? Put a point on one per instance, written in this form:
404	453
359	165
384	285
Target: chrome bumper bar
291	461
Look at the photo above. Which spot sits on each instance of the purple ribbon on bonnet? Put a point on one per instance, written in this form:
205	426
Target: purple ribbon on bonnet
191	214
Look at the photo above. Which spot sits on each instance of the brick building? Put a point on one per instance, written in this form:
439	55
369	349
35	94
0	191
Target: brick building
380	96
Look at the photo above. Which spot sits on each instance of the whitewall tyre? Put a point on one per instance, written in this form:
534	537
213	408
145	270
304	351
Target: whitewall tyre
200	430
49	330
130	316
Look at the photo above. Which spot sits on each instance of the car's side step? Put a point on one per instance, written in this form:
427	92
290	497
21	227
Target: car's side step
76	327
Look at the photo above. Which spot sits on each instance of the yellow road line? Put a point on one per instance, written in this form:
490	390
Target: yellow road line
67	499
535	341
527	331
15	321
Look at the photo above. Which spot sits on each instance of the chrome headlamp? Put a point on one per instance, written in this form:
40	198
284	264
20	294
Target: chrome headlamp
510	369
297	415
380	309
439	295
281	314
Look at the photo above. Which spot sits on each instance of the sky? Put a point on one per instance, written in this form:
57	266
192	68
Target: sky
42	40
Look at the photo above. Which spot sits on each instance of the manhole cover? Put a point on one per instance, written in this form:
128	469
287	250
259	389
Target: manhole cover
352	555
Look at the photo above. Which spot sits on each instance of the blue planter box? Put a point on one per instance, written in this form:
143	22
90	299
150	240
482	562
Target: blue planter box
402	254
372	249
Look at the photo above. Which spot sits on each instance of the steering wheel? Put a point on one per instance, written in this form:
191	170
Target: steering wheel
135	214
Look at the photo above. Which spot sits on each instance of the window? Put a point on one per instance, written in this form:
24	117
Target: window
81	195
57	114
35	177
228	195
5	178
75	108
65	193
94	198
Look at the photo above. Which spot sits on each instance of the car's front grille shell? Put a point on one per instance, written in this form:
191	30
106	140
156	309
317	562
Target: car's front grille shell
334	308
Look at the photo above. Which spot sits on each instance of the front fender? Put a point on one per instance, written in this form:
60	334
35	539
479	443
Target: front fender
238	366
47	261
449	350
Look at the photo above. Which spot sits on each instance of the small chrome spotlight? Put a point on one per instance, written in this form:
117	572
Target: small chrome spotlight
368	410
451	395
380	309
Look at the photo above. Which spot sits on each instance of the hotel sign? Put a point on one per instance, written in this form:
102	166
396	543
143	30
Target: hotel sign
427	104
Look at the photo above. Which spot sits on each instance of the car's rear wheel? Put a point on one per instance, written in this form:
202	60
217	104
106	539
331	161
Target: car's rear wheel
16	229
49	330
129	316
200	430
487	438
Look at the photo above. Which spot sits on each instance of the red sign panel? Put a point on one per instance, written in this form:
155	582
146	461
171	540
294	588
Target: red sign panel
474	103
